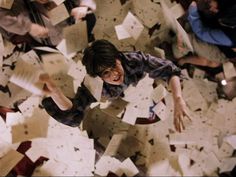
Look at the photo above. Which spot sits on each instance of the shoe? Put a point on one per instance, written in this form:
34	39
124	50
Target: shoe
145	121
211	71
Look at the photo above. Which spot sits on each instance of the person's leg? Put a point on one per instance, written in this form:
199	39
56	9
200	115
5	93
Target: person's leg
200	61
205	54
91	21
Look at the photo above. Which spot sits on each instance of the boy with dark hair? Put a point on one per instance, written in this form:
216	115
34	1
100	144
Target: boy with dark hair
101	55
118	70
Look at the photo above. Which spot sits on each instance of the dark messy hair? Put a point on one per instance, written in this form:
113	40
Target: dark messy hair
207	16
99	56
204	7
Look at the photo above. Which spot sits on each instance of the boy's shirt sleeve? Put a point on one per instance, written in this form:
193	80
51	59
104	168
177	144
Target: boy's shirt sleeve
74	116
158	68
206	34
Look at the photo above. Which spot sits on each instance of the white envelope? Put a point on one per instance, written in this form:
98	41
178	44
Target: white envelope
131	114
175	26
6	4
229	70
161	111
27	76
76	37
54	63
121	32
32	127
32	58
58	14
114	144
131	27
8	161
2	48
159	93
129	168
95	86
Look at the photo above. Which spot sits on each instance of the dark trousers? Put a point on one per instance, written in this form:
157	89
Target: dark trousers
91	21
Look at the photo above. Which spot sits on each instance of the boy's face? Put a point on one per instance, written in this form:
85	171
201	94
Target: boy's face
114	76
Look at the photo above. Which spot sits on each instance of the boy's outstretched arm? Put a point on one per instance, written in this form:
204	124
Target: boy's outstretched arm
180	108
55	93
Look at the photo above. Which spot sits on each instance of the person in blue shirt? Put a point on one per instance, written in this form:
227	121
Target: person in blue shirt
213	23
206	33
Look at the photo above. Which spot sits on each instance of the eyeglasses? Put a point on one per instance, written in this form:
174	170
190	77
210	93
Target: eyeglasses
107	73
